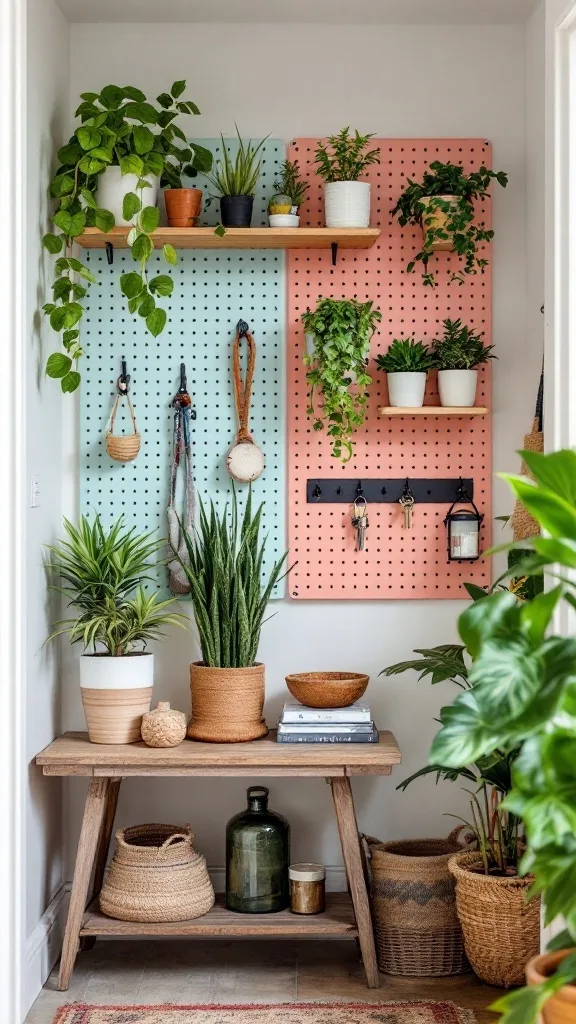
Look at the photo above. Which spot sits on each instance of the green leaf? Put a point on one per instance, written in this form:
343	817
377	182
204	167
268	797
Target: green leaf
464	737
131	284
482	618
57	317
90	96
57	365
111	97
142	249
89	138
88	198
220	231
101	154
555	471
178	88
61	185
61	287
536	615
72	314
143	112
522	1006
131	93
554	513
162	285
104	220
90	165
143	139
150	219
156	321
145	305
53	243
164	100
170	254
85	273
131	205
69	154
131	164
202	158
154	163
70	336
70	381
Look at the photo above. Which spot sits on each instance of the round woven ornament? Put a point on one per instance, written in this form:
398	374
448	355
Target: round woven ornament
164	726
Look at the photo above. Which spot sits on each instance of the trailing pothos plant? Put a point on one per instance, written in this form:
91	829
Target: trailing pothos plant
118	128
442	203
341	330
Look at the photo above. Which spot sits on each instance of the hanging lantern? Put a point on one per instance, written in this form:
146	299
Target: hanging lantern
463	529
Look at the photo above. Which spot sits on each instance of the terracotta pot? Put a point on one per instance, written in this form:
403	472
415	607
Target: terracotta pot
227	704
437	219
182	206
561	1007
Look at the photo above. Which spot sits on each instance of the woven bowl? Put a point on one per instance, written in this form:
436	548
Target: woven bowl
327	689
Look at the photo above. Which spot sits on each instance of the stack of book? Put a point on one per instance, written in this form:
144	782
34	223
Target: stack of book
353	724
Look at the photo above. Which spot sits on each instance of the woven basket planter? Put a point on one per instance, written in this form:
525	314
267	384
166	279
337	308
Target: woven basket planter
156	875
227	704
501	929
414	907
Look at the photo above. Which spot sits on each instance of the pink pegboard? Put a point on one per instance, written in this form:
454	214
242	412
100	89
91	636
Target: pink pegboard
396	563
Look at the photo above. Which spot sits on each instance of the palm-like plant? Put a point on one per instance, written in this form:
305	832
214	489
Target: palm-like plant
224	570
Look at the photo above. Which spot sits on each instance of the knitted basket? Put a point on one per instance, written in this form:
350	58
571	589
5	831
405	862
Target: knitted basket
501	928
227	704
414	907
122	447
156	875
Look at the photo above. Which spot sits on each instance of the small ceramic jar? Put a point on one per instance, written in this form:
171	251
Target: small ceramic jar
307	888
163	727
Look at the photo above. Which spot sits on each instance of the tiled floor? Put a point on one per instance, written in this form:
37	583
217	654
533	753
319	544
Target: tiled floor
247	971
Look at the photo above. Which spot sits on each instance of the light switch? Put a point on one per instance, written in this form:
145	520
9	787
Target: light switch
34	492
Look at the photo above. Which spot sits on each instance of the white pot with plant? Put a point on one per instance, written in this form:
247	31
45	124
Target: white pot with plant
101	572
341	331
456	355
340	162
283	208
406	364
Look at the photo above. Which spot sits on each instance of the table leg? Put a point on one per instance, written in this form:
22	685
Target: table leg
94	811
350	842
88	941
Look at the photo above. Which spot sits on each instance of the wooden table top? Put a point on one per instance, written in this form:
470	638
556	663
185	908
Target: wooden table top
73	754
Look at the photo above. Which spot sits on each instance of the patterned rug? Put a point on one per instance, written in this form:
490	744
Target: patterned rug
277	1013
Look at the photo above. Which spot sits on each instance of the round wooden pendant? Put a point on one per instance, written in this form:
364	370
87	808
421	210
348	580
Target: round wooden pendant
245	461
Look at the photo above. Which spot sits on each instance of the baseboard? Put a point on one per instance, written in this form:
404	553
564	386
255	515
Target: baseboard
43	946
335	878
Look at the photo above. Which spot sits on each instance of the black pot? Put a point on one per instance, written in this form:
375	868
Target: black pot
236	211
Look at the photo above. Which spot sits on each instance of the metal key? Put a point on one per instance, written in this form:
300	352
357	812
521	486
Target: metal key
407	503
360	523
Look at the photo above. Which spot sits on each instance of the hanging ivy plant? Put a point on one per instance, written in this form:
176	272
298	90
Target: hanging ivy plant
341	330
119	128
442	204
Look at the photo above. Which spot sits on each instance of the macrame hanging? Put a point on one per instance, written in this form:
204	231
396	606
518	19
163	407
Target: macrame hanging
122	447
181	457
245	460
523	524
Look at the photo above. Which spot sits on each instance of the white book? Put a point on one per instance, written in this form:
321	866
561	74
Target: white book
295	712
324	727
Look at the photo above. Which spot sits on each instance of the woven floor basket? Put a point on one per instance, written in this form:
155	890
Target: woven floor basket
227	704
414	907
501	929
156	875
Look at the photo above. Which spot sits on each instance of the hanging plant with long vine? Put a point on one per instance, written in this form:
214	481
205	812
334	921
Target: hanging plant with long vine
119	128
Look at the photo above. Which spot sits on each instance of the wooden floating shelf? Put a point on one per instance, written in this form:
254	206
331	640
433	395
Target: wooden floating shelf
338	920
433	410
239	238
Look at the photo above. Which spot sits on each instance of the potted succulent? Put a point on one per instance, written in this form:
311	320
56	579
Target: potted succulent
456	355
442	205
339	331
522	695
291	191
406	364
229	597
102	572
235	181
183	205
340	163
108	174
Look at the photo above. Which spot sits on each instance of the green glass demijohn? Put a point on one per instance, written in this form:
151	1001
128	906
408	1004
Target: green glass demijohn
257	858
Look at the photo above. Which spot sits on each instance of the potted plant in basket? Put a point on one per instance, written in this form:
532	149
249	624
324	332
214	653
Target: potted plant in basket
456	355
101	572
229	597
339	331
183	205
291	191
522	695
442	205
406	364
340	163
235	180
108	174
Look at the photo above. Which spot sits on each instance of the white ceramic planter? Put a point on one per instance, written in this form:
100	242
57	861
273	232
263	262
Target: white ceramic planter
113	186
284	220
457	387
347	204
116	692
406	390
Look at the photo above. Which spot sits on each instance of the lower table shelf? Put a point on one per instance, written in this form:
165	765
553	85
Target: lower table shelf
337	920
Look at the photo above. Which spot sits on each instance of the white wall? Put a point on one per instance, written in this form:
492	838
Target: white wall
311	80
46	127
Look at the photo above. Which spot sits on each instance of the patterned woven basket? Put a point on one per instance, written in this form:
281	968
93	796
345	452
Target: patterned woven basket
501	929
414	907
156	875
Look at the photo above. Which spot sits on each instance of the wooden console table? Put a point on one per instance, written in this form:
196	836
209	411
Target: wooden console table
346	916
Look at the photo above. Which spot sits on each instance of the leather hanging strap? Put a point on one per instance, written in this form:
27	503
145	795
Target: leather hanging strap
243	387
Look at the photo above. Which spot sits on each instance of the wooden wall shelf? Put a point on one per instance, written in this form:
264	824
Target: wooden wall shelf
239	238
433	410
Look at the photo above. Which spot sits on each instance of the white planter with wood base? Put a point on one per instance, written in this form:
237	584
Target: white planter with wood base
116	692
457	387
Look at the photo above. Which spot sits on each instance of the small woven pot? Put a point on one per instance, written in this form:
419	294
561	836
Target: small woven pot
327	689
437	219
122	447
501	928
561	1007
414	907
227	704
164	726
156	875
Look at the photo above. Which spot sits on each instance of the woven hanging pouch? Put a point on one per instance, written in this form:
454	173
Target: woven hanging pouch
122	447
